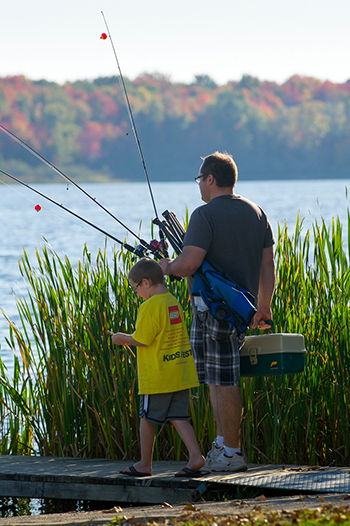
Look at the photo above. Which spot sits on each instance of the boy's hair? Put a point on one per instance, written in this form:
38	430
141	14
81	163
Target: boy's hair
222	167
146	268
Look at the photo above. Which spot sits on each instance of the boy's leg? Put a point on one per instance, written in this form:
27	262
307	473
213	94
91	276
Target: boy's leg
147	436
187	434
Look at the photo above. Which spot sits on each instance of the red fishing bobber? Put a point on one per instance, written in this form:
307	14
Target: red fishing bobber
103	36
37	208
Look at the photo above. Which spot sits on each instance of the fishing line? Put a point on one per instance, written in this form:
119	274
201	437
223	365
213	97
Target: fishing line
126	245
17	192
55	169
31	201
144	246
161	226
131	116
143	243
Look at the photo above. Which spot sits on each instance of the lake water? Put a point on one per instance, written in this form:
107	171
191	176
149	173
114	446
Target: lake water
24	228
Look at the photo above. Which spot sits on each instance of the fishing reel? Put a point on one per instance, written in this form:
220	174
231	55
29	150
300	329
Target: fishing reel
140	251
158	245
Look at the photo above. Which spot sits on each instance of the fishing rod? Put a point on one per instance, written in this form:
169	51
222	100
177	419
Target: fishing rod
154	246
156	221
139	250
131	116
55	169
14	137
172	227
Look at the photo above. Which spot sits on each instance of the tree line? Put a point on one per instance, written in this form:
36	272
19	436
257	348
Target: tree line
298	129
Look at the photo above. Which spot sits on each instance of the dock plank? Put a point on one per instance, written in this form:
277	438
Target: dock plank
100	479
91	479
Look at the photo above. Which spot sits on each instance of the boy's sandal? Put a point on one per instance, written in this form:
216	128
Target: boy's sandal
134	473
187	472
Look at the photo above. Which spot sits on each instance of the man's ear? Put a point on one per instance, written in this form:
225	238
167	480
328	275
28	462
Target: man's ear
211	179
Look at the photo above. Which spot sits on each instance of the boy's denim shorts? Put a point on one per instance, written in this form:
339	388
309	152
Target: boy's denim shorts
160	408
215	350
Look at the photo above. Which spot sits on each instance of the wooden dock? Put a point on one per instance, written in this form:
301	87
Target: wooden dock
100	479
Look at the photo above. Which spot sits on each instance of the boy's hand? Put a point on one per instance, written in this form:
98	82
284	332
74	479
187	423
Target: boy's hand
118	337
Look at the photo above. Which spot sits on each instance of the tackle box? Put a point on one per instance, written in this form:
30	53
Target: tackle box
268	354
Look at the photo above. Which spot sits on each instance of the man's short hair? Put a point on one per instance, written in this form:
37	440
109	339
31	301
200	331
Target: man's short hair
222	167
146	268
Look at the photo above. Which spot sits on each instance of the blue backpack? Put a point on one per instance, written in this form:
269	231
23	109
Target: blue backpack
224	299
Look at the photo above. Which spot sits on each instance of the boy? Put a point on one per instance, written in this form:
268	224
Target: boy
165	366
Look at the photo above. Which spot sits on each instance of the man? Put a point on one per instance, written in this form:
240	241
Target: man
235	237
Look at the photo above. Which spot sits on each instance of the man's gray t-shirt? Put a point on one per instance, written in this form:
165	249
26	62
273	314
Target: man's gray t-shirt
234	231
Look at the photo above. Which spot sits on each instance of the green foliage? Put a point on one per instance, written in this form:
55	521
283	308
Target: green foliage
297	129
73	393
78	379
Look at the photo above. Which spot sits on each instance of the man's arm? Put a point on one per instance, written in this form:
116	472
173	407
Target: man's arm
267	283
185	264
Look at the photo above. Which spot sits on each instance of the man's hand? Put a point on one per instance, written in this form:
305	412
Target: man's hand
267	282
261	319
185	264
164	264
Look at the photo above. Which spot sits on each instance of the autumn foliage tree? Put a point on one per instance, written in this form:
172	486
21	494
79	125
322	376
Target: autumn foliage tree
299	129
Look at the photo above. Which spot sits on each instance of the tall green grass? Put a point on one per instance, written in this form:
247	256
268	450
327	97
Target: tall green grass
305	418
72	393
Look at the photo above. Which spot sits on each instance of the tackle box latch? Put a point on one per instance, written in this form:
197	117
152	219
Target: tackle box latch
253	352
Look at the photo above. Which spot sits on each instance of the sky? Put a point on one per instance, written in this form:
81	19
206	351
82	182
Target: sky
59	40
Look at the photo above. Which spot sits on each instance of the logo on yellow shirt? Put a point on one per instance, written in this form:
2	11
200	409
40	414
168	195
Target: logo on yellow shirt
174	315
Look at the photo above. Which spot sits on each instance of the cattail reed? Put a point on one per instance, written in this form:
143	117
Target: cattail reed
73	393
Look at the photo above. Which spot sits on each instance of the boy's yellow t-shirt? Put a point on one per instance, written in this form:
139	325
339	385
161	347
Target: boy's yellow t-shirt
166	363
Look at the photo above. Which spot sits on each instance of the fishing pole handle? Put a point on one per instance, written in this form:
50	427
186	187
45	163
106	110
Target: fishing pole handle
175	278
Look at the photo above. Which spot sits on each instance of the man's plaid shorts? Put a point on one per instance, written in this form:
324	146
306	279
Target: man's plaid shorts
216	350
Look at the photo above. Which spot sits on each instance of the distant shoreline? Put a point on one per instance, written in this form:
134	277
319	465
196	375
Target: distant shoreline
84	174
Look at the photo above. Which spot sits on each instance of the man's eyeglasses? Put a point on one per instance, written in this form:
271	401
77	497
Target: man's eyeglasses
198	178
135	288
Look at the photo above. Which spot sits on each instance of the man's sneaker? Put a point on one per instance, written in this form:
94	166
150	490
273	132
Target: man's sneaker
212	454
223	463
